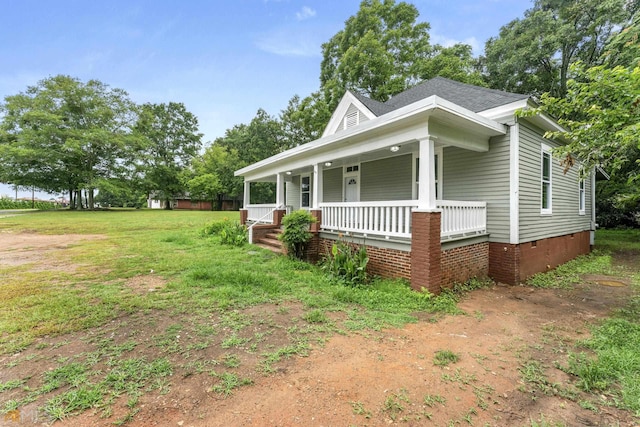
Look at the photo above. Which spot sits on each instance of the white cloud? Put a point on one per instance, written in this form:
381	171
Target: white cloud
305	13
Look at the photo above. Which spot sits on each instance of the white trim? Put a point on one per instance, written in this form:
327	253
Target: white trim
397	127
351	174
310	191
317	186
582	196
546	150
280	196
592	234
415	155
426	175
246	194
336	121
514	184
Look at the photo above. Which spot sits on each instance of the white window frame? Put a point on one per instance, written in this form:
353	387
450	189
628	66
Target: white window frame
545	155
310	191
582	201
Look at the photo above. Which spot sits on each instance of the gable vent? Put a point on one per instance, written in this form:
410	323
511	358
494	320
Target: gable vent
351	119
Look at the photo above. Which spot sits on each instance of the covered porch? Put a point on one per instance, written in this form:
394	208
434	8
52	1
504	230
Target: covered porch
381	182
382	219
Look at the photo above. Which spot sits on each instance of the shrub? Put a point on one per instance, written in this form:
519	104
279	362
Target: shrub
296	233
233	233
348	264
214	227
230	232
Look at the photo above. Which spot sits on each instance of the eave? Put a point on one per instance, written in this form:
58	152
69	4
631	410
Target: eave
430	117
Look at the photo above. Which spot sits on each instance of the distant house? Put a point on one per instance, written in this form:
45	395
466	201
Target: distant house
442	183
180	202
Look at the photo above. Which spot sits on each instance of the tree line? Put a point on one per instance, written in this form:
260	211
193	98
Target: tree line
578	57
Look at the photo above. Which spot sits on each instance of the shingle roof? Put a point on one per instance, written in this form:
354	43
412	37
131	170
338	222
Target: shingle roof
474	98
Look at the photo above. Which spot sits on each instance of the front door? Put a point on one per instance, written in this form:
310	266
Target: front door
351	189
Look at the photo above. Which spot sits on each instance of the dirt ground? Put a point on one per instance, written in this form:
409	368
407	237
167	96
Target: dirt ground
368	379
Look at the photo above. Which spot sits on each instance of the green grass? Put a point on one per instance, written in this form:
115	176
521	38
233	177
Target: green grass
618	240
200	273
208	291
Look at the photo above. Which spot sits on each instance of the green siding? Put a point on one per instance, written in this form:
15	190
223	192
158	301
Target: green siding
293	192
473	176
386	179
332	185
565	218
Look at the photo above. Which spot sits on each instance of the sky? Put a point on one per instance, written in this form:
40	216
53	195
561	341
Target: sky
223	59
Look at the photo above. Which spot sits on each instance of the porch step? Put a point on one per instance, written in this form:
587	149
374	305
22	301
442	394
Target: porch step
273	249
271	242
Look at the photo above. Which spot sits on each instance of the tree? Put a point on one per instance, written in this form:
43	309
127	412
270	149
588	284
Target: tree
532	55
378	53
304	120
601	114
210	176
455	62
170	140
624	47
62	134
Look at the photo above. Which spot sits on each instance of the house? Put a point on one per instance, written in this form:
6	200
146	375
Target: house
179	202
443	182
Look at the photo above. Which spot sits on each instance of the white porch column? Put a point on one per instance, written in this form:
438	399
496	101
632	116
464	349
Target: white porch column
317	186
280	200
426	172
247	194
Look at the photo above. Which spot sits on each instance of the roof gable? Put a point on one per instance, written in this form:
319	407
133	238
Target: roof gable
349	105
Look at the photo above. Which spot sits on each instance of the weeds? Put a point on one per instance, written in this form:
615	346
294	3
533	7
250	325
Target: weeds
394	403
445	357
229	382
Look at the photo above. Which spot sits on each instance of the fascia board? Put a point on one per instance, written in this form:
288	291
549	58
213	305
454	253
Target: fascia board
417	111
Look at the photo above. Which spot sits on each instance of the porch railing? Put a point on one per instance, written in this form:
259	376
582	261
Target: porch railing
261	213
264	213
389	219
461	218
393	218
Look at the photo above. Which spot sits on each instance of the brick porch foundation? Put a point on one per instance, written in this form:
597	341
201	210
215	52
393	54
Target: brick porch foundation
513	264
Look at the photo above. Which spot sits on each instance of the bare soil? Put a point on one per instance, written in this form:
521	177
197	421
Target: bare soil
375	378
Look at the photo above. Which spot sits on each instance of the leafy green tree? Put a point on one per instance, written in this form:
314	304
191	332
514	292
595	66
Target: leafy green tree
304	119
119	192
210	176
64	135
601	114
455	62
170	140
378	53
624	47
532	55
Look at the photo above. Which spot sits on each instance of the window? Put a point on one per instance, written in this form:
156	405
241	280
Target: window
546	193
352	168
305	191
581	197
